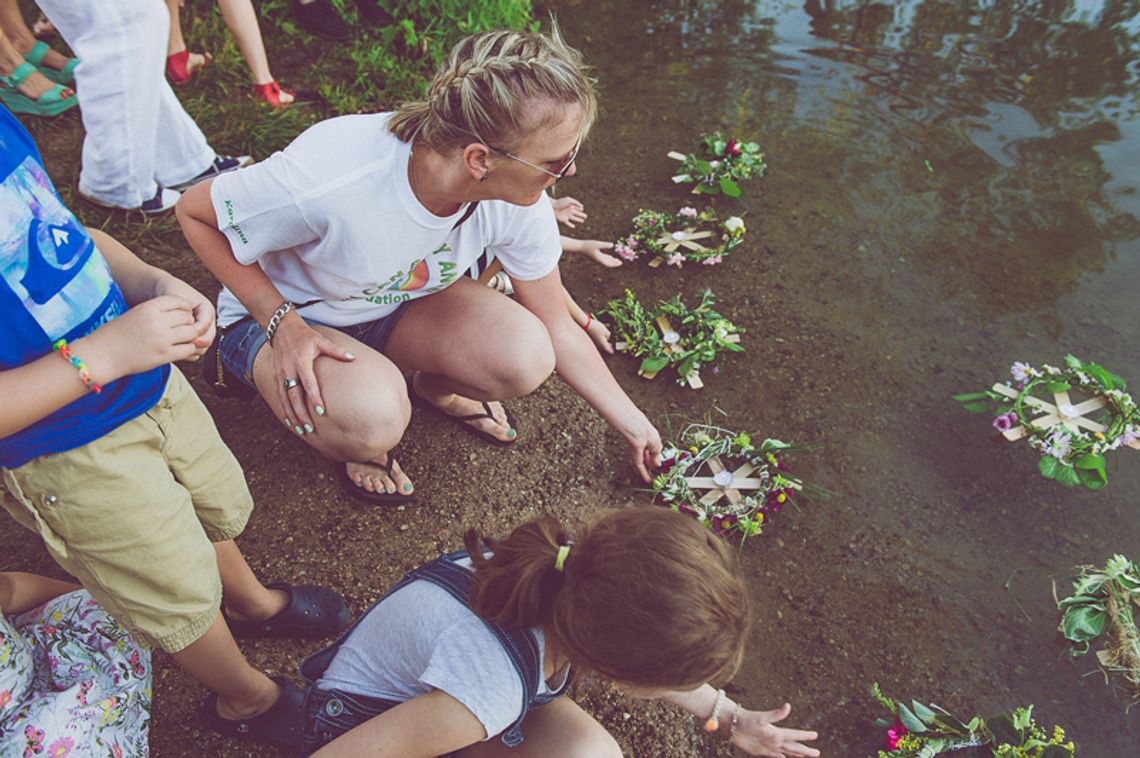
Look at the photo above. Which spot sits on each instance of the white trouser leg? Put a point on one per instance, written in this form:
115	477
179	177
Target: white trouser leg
137	131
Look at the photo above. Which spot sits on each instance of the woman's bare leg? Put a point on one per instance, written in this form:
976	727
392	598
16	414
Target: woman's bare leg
366	410
471	344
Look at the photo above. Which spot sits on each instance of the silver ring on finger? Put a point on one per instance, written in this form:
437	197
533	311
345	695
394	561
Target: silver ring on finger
291	383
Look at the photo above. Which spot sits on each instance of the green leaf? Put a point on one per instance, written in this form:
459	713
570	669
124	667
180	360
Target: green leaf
1048	466
1083	623
718	147
967	397
1058	386
1092	480
1073	361
922	711
975	407
1078	600
653	364
1067	475
910	721
1003	729
729	187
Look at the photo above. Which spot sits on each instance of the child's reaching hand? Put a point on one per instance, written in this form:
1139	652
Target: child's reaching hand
592	249
568	211
599	333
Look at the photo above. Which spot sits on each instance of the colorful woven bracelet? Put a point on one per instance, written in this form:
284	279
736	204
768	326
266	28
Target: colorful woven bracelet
77	362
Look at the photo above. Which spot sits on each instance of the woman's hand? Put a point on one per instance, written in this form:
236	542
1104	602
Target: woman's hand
153	333
202	309
644	448
296	347
568	211
756	734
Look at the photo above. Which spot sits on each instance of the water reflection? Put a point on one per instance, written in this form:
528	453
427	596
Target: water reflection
988	127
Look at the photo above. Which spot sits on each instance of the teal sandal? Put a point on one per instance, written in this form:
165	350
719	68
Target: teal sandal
65	75
50	103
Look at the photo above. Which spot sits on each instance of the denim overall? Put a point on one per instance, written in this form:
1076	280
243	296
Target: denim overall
331	713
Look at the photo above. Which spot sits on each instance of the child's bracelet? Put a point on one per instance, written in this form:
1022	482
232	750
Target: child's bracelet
713	722
732	724
589	320
77	362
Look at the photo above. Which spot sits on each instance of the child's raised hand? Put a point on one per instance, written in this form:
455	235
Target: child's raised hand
155	332
568	211
756	734
203	310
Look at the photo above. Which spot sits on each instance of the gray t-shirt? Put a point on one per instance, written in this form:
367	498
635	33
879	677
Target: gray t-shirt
422	639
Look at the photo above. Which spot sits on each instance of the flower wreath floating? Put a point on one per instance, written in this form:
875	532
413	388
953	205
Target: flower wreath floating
719	165
1101	603
1072	445
686	235
672	335
727	483
921	731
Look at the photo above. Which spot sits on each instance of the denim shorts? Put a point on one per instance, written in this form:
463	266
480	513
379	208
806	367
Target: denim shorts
239	342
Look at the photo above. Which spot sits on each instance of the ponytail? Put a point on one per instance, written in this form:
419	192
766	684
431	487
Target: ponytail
647	596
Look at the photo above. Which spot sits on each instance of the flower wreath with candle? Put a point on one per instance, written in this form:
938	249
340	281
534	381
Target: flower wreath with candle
1101	604
923	731
670	334
726	482
719	165
687	235
1071	437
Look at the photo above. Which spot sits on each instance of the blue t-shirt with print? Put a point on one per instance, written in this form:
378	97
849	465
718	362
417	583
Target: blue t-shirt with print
55	285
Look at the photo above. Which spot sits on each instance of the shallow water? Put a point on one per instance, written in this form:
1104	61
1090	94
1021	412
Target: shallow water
952	187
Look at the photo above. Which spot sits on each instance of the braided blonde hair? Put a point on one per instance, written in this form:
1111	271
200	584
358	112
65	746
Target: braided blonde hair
493	87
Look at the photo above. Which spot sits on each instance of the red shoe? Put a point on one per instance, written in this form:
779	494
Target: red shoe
178	68
271	93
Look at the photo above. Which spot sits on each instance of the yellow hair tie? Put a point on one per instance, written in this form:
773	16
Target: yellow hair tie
560	559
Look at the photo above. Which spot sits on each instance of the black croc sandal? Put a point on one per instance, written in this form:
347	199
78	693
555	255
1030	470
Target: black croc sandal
282	724
376	497
487	413
313	612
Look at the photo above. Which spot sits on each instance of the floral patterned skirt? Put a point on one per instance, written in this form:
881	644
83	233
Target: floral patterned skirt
72	681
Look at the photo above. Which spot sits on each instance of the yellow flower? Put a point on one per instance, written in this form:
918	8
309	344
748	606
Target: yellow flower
1098	435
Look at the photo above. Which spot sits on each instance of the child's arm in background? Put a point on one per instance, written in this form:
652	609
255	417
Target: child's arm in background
20	591
428	725
170	321
756	733
568	211
595	250
598	331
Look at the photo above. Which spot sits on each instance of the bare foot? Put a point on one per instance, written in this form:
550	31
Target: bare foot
457	405
372	477
196	61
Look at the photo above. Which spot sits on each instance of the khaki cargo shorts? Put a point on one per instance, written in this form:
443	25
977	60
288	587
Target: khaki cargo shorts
133	514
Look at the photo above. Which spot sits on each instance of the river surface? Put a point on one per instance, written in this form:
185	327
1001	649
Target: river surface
951	187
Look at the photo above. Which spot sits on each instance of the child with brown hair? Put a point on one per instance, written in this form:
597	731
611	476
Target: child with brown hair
466	648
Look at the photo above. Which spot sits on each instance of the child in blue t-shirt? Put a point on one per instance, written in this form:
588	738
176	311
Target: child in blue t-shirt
111	458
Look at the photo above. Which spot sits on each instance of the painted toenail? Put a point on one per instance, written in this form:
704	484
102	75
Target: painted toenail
407	488
512	433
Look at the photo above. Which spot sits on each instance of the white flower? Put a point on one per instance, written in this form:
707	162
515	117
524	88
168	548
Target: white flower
735	225
1020	371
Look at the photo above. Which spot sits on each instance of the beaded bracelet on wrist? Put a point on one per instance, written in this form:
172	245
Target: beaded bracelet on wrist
61	347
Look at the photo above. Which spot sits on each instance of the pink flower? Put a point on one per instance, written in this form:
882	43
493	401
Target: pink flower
894	734
687	212
676	259
1005	421
732	149
631	242
712	260
61	747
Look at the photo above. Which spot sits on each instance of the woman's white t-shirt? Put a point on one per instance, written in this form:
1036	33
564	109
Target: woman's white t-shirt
333	218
